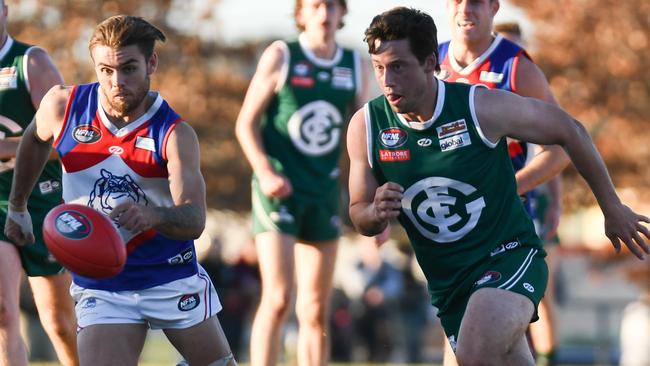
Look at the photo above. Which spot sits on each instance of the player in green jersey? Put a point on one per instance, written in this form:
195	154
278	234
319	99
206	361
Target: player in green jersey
26	74
290	128
433	155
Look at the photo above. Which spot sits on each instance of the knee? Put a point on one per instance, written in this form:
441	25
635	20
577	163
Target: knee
311	313
9	316
277	303
59	324
477	356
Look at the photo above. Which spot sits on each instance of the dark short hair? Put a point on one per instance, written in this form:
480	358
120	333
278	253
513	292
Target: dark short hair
126	30
405	23
298	6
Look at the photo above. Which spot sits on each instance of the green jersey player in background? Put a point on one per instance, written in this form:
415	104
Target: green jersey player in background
291	127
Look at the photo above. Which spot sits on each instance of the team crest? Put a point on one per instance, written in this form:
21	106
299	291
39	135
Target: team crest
442	209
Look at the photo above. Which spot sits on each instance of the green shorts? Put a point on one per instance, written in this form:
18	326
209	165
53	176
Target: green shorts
35	258
311	220
521	270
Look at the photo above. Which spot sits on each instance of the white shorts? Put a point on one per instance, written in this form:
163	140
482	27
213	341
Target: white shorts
178	304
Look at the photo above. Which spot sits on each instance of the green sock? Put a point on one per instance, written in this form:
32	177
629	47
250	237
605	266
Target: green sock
545	358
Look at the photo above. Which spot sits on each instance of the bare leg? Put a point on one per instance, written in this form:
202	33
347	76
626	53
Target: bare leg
275	255
56	312
448	358
202	343
493	329
543	331
12	347
314	275
111	344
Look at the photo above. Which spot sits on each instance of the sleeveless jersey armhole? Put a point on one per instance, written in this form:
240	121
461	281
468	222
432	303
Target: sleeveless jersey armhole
284	71
477	124
366	114
66	117
513	70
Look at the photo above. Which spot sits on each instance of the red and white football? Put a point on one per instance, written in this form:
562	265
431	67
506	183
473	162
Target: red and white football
84	241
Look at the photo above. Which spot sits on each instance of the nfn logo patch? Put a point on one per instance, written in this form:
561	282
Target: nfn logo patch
73	225
86	134
188	302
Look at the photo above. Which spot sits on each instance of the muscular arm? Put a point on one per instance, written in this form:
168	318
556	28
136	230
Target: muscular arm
260	92
371	206
42	76
32	153
551	159
35	146
505	114
186	219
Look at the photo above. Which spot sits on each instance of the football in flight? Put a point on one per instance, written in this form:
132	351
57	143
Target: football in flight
84	241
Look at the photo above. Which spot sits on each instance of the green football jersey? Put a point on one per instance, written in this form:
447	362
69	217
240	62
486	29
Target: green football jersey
16	112
460	203
305	122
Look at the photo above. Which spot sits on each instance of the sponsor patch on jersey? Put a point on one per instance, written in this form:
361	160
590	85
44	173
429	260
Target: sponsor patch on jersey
392	137
455	142
302	81
49	186
182	257
488	277
323	76
86	134
146	143
451	128
342	78
394	155
188	302
424	142
491	77
504	247
8	78
116	150
302	68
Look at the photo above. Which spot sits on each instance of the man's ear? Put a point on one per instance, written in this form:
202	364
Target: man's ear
152	63
430	63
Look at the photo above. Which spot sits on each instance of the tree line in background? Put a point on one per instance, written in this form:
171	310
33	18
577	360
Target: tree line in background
593	52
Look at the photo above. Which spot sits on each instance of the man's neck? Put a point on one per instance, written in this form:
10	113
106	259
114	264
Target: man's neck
427	105
120	121
321	48
466	52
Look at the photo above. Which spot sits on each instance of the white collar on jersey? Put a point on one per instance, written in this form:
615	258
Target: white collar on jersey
5	48
440	102
477	62
320	62
131	126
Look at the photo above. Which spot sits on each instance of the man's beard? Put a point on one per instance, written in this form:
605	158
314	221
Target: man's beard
125	106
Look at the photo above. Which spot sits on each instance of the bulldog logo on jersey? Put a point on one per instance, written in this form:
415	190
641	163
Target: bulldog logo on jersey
442	209
111	190
315	129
